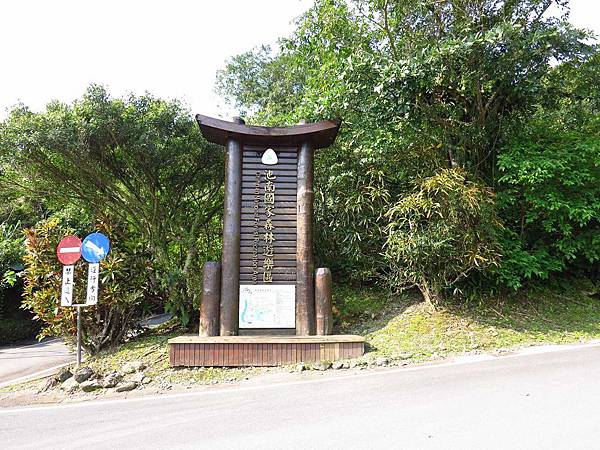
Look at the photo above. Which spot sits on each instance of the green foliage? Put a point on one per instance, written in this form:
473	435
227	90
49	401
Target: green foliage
441	232
123	286
424	87
14	330
11	252
551	199
139	162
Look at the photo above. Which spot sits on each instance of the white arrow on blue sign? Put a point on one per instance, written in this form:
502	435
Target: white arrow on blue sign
95	247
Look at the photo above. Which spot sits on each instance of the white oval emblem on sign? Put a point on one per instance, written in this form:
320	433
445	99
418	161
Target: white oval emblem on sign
269	157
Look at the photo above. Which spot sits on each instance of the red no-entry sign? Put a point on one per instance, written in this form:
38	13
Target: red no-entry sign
69	250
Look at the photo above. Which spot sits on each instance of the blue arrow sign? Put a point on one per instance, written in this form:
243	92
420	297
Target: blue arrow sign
95	247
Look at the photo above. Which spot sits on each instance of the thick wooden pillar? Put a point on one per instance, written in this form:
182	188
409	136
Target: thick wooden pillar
230	262
324	313
305	299
211	298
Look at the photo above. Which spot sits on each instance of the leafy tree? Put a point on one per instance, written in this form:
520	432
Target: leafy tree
139	162
550	181
123	275
422	86
441	232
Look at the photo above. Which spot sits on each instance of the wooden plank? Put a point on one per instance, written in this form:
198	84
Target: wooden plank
236	355
279	204
257	153
246	258
195	339
249	180
283	246
278	221
230	355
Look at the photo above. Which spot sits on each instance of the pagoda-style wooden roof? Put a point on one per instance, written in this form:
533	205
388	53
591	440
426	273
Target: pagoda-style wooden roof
320	134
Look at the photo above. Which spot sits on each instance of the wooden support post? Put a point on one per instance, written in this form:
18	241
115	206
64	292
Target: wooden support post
211	298
305	300
230	280
324	314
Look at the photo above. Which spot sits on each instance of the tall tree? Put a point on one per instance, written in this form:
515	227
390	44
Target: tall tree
140	161
422	86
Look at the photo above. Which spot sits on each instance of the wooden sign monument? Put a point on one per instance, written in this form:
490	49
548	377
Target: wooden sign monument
264	304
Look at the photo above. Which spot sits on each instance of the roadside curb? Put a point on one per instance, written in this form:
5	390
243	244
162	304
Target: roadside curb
35	376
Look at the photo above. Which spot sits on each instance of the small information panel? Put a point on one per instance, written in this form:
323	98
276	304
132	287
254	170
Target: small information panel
268	306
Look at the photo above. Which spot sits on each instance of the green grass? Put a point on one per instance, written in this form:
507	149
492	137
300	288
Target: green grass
402	327
406	328
153	350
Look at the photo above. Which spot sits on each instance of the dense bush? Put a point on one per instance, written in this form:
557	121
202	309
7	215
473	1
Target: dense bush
14	330
124	285
441	232
11	252
550	198
139	160
428	87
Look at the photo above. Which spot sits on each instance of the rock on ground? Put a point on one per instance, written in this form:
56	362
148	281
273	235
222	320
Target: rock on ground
71	385
137	377
111	380
381	361
133	366
90	385
323	365
83	374
126	387
49	384
63	375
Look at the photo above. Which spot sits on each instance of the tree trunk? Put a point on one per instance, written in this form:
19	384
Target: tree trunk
431	295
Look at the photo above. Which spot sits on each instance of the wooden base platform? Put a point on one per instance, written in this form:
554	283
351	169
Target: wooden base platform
256	351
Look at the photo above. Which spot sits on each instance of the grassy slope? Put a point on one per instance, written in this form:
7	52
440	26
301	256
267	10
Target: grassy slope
406	328
401	327
153	350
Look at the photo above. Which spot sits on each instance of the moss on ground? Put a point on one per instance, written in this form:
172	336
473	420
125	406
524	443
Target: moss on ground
407	328
153	350
397	327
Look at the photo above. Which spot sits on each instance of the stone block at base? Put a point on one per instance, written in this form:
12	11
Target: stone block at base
262	351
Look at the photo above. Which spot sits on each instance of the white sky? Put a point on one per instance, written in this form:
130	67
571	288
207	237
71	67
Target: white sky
53	49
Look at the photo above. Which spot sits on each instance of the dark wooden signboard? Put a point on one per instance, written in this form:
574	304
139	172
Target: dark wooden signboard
267	267
269	228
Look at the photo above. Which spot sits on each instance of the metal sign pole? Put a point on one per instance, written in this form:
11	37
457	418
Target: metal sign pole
78	336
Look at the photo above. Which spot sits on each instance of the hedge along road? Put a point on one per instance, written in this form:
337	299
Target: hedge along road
25	361
531	400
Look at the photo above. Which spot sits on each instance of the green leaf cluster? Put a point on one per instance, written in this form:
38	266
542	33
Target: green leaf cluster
431	88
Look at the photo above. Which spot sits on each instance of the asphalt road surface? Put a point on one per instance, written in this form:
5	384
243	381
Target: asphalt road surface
18	363
535	401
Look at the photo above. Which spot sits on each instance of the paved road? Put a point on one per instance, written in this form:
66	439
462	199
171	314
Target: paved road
18	363
539	401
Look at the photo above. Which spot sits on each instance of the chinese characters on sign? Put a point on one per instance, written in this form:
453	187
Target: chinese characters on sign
256	234
66	298
269	238
92	289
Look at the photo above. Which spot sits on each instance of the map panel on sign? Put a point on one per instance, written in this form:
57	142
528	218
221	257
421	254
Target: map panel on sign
267	306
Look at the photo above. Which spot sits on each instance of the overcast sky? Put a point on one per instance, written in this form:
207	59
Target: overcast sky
52	49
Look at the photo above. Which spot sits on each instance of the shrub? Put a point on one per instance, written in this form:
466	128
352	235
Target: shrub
550	199
11	252
14	330
441	232
123	275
